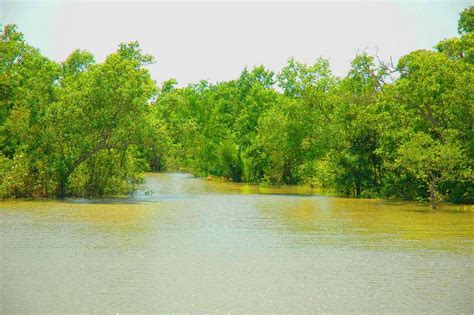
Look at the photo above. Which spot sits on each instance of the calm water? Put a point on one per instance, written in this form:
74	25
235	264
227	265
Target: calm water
188	245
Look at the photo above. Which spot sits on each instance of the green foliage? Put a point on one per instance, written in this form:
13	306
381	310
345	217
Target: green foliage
83	128
466	20
438	162
359	135
231	163
433	102
461	48
67	129
297	78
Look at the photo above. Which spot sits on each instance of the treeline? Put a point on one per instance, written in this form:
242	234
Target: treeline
71	128
86	129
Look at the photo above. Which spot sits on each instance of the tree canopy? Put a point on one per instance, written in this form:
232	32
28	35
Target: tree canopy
82	128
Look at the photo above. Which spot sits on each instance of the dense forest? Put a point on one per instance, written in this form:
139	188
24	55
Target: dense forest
82	128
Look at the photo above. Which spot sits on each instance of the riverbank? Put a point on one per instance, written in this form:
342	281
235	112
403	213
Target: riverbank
223	185
266	188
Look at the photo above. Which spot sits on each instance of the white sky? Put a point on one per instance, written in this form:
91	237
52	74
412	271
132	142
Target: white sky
215	40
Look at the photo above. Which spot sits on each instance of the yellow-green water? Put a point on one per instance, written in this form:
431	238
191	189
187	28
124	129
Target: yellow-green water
182	244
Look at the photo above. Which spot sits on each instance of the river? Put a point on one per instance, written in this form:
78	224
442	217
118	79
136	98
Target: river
183	244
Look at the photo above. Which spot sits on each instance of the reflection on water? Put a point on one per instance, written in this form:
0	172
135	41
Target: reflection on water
182	244
374	223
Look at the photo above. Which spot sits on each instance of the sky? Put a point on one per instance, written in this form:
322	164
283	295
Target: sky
196	40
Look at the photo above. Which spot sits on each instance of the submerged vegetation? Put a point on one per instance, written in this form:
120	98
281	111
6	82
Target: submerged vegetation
83	128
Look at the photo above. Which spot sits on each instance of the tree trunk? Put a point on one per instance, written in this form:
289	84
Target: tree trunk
61	190
64	175
433	193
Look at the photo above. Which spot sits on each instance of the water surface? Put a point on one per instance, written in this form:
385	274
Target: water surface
182	244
